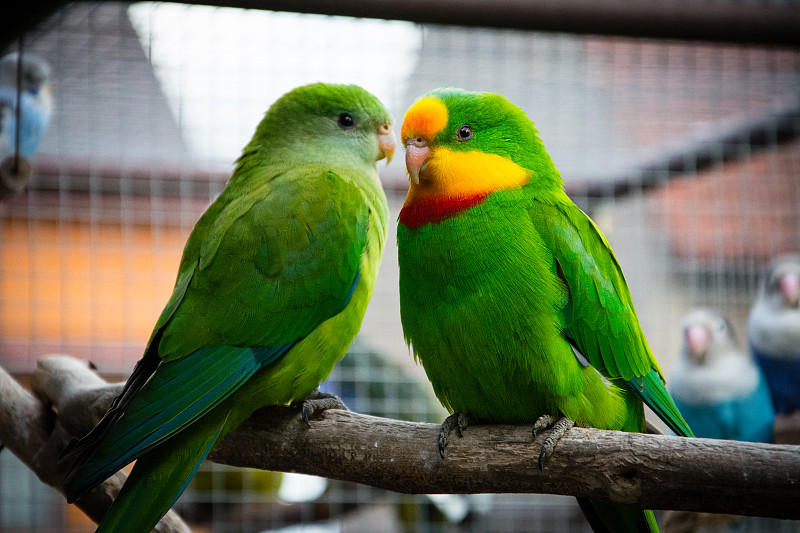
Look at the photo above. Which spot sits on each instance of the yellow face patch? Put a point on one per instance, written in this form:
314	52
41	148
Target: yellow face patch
452	174
426	118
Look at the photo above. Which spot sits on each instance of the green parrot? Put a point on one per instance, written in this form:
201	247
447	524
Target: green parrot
510	295
272	288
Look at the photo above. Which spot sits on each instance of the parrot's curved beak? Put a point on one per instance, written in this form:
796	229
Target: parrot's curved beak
790	287
697	340
417	154
386	142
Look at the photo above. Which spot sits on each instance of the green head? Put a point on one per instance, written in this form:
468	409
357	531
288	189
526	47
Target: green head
325	123
461	143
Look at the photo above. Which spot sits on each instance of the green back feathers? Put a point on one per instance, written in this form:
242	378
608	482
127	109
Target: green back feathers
275	274
277	281
302	174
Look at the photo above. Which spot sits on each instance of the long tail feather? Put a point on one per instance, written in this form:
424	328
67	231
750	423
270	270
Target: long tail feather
160	476
614	518
657	398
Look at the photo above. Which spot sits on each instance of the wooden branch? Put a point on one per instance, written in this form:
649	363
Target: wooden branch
652	471
32	431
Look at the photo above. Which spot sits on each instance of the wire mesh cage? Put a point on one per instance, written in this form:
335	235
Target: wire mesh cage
684	152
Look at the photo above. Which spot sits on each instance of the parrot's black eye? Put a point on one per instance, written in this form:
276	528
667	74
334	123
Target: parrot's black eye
346	120
464	133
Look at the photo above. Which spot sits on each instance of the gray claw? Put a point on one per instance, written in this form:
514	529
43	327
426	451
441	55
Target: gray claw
543	422
457	421
559	428
319	401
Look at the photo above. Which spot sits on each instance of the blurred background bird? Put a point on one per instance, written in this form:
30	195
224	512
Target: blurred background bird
716	385
36	101
723	395
773	331
21	131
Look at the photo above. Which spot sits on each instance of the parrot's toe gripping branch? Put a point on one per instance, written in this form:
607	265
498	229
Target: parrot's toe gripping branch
543	422
457	421
320	401
559	428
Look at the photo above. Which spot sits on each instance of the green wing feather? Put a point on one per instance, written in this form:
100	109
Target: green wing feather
600	316
271	256
176	395
151	487
280	284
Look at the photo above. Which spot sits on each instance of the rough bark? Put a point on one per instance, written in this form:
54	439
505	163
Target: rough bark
653	471
68	400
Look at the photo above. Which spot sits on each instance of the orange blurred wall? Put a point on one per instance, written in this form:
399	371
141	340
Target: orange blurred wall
83	281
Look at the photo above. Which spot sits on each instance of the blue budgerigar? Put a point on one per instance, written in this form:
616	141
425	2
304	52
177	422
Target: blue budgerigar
716	385
36	103
773	331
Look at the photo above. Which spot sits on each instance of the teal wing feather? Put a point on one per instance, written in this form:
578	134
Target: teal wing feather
157	479
259	272
600	317
180	392
656	397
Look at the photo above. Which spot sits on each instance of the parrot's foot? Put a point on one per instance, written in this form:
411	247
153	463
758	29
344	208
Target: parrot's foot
544	422
559	428
457	421
320	401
